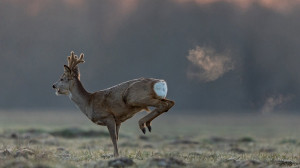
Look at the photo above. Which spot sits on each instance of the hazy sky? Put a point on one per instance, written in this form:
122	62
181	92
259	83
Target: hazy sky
216	55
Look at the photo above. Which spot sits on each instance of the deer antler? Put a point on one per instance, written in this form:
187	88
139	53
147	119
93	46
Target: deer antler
73	60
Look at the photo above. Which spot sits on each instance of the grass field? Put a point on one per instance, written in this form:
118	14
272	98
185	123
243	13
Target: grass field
179	139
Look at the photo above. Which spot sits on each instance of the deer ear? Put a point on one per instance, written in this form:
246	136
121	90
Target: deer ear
67	69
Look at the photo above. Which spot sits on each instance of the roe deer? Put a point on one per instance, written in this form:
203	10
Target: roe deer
114	105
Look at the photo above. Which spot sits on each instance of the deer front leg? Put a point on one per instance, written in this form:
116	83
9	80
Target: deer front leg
117	129
112	128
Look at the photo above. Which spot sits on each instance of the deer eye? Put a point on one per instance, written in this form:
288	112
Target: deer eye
61	79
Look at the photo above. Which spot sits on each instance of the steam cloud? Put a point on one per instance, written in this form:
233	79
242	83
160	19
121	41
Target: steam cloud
278	5
274	101
207	65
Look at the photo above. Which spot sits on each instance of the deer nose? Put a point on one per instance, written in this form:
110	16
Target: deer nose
53	86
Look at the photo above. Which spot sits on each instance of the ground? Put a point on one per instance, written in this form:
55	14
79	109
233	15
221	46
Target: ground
178	139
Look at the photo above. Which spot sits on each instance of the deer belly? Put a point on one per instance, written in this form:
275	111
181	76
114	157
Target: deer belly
161	89
129	113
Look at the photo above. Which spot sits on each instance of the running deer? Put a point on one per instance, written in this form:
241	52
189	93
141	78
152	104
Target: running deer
112	106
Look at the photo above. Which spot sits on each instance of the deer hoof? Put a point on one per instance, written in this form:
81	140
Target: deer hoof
144	130
149	128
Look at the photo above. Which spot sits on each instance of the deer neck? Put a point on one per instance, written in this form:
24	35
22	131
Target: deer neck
79	95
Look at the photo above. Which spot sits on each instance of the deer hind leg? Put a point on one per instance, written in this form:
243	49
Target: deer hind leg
162	105
170	104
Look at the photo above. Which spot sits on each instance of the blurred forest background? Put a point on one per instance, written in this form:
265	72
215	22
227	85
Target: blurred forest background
216	55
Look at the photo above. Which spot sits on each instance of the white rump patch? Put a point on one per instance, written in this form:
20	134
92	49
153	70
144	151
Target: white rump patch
161	89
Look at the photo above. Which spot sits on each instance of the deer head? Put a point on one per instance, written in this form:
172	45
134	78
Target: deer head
71	72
